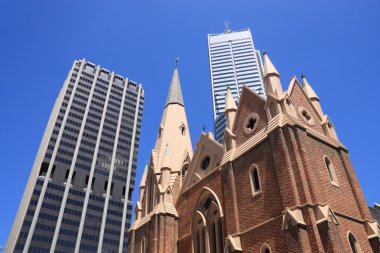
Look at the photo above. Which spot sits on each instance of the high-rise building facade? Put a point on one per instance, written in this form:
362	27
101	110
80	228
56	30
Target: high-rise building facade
234	62
78	196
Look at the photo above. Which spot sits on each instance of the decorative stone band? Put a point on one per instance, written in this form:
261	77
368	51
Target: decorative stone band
278	121
161	208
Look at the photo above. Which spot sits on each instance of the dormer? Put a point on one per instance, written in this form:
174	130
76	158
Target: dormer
251	117
207	157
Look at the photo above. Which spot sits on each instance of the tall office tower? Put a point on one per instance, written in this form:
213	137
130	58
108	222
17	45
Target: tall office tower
234	62
78	196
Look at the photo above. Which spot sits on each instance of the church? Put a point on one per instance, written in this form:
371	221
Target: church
281	181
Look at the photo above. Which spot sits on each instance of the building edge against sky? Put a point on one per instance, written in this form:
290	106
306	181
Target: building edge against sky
234	62
85	167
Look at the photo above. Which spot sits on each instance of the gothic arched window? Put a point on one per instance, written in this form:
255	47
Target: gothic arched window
207	231
265	248
354	245
182	128
331	171
143	245
184	171
255	180
214	225
198	233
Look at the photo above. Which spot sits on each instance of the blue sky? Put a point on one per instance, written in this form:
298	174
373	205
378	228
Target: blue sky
335	43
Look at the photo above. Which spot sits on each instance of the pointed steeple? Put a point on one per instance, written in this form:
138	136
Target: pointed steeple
230	102
269	68
271	78
175	91
173	131
308	89
229	109
312	95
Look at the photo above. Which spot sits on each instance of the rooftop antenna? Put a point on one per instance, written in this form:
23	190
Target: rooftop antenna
204	128
176	62
226	27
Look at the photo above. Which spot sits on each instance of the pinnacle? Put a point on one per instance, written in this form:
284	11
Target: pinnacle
175	91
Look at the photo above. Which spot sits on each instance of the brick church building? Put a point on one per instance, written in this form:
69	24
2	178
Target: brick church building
280	182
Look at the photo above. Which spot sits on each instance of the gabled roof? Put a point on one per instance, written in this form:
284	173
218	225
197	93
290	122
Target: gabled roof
175	91
206	146
293	83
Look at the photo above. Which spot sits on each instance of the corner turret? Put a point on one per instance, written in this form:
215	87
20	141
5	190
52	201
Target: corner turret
271	78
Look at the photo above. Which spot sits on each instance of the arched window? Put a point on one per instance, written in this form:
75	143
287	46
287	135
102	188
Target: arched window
207	231
354	245
184	171
255	180
331	171
183	129
205	163
265	248
214	225
143	245
273	110
198	233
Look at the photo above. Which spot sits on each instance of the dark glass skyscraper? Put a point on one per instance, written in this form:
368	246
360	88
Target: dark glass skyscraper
78	196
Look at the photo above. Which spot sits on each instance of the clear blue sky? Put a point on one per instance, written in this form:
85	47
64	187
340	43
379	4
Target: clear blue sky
335	43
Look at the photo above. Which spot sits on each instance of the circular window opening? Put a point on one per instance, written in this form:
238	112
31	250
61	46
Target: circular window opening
306	116
251	123
205	163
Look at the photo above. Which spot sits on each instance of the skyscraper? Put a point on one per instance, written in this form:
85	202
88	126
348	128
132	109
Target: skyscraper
78	196
234	62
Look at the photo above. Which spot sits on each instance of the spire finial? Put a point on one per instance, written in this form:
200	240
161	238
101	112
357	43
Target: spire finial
226	27
303	75
264	51
176	62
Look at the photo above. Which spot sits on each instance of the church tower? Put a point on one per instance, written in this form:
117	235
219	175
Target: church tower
156	218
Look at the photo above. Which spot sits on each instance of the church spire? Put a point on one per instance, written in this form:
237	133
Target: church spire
175	91
271	78
173	133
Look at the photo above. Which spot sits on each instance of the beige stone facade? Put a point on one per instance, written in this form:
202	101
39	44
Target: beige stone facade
280	182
